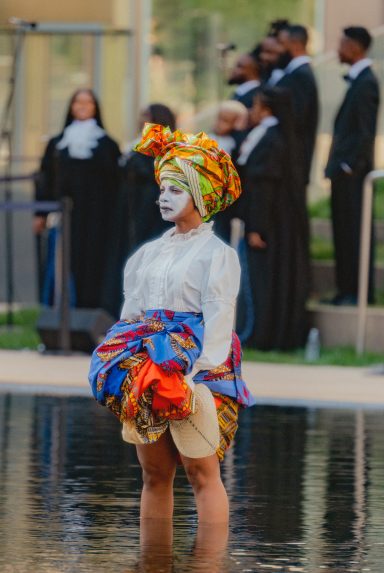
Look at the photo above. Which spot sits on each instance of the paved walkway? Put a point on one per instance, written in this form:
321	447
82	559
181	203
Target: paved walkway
27	371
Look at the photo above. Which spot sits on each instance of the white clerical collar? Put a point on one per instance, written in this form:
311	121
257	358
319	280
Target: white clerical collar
297	63
269	121
244	88
356	69
254	137
275	76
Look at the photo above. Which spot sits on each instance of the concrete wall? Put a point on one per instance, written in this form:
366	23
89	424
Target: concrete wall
338	14
101	11
338	327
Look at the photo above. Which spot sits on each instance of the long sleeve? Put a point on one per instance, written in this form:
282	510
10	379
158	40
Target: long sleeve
262	175
45	178
132	307
365	110
218	307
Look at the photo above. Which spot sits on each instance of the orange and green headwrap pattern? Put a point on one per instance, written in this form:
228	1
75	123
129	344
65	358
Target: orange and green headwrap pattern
196	163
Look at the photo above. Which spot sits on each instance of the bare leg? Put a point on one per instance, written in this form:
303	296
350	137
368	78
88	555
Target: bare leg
158	462
211	498
210	547
156	536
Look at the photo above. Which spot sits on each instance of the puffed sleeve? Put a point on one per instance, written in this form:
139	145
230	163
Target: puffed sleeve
132	303
218	306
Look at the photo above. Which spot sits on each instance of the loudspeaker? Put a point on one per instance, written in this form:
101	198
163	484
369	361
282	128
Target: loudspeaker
87	328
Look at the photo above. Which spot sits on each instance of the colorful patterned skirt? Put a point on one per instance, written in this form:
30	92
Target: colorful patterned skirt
138	372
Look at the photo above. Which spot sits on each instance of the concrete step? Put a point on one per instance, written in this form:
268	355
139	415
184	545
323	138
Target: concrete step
323	228
323	277
338	326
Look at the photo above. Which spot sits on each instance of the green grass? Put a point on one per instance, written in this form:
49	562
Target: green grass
321	209
322	250
23	334
338	356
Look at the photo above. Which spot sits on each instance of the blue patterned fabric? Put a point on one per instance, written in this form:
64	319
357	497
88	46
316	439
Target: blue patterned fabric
171	340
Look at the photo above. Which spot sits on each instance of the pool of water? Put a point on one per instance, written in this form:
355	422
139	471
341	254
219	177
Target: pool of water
306	488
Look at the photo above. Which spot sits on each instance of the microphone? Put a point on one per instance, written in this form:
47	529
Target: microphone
22	23
226	47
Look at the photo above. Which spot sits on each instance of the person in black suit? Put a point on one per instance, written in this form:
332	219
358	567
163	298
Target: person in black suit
272	56
246	74
271	310
298	79
350	159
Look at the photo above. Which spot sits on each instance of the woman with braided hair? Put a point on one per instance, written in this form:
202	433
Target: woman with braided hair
170	369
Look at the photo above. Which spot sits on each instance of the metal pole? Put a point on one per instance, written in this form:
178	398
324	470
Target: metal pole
365	247
6	135
8	215
64	306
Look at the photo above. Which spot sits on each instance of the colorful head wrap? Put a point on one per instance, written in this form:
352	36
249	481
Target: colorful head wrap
195	163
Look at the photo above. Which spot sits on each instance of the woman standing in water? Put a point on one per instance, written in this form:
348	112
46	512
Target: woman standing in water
170	369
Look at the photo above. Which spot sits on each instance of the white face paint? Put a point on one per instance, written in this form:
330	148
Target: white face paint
173	200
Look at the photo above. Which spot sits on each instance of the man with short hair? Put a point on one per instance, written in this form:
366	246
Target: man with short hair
298	79
245	74
350	159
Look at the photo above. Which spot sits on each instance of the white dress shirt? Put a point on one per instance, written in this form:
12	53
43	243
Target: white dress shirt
191	272
356	69
254	137
275	77
296	63
245	87
225	142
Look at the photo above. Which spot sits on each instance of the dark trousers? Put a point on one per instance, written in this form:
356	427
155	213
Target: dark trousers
346	203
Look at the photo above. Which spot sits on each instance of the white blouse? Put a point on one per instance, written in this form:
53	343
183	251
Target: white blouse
191	272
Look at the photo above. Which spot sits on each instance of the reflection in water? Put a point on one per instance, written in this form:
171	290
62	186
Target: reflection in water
305	487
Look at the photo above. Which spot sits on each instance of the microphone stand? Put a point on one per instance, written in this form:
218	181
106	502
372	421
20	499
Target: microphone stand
6	139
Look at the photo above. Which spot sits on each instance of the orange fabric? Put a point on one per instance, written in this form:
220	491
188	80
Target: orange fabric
218	179
172	397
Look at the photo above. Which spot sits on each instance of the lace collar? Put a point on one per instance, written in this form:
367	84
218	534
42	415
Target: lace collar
180	237
80	138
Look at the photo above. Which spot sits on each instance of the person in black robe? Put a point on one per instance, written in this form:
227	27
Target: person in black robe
298	79
350	160
246	75
82	163
271	313
136	214
139	190
229	129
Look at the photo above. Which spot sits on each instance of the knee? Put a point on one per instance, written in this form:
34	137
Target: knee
197	476
155	476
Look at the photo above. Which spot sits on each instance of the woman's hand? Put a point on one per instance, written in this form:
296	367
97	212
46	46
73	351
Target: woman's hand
39	224
255	241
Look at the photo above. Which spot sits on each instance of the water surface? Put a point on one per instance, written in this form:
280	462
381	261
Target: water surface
306	488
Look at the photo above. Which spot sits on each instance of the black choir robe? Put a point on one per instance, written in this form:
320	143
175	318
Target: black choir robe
139	194
277	274
92	184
